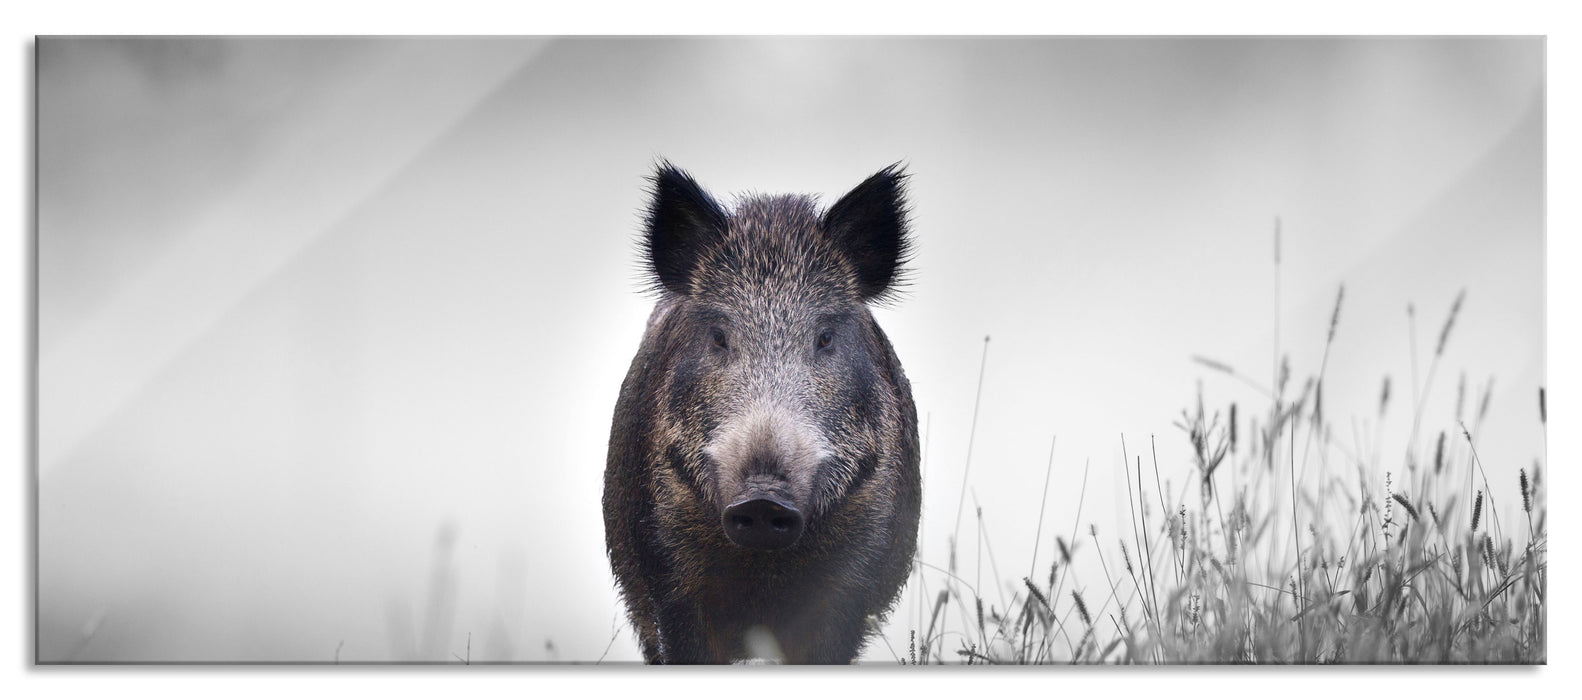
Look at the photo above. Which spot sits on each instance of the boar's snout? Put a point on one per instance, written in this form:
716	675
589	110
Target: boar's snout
762	523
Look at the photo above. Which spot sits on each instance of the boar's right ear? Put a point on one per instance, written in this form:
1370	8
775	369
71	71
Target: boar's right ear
682	221
869	224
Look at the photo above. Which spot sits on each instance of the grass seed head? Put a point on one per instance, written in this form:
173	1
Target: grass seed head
1483	405
1213	364
1082	609
1233	427
1527	501
1439	454
1032	589
1334	318
1410	510
1461	396
1450	322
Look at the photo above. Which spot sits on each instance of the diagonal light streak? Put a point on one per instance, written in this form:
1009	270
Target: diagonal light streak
336	162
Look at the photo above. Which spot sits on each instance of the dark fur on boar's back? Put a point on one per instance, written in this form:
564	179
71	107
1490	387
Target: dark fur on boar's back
762	482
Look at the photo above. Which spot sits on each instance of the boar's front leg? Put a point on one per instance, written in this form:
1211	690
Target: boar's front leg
682	636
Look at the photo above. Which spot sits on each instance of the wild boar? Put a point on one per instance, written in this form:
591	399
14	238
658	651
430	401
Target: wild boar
762	481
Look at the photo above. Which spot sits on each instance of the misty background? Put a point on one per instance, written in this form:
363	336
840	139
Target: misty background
330	330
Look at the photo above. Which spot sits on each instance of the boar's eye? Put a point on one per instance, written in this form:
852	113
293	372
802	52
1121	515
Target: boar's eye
826	339
717	336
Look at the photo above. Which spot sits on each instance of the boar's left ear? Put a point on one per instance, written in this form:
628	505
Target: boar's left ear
683	221
869	224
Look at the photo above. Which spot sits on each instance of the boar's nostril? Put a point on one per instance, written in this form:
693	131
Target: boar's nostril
763	523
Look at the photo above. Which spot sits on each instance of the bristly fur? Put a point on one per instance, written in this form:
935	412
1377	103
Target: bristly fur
870	227
763	377
680	220
879	204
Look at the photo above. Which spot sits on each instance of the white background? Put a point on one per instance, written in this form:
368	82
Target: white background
1556	252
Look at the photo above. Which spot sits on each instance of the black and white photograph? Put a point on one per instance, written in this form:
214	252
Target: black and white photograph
787	350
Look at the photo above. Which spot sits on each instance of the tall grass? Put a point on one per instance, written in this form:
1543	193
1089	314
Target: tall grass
1242	566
